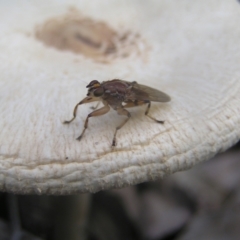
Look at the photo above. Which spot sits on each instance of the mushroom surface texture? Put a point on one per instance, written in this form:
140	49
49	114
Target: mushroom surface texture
51	50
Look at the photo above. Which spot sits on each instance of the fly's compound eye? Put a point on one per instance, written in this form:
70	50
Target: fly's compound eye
98	92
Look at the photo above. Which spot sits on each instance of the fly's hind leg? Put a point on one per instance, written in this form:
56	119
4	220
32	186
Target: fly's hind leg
120	111
139	103
147	110
98	112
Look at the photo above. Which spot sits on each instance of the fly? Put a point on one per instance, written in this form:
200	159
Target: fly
119	95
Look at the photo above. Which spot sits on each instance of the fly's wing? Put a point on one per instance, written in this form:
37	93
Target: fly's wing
143	92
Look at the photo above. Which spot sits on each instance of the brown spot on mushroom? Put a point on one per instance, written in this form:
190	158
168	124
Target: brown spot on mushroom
93	39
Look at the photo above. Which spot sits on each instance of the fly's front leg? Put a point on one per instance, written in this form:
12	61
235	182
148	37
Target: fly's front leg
147	110
120	111
95	113
85	100
74	114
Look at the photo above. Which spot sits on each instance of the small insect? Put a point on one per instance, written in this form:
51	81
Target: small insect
119	95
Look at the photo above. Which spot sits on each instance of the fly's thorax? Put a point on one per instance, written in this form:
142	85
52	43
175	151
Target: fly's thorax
115	87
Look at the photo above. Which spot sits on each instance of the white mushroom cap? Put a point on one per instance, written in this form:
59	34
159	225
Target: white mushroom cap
190	50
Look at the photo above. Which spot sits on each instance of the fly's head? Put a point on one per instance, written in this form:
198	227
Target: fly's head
95	89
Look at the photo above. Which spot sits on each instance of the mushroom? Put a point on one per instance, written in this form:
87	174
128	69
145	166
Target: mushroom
50	51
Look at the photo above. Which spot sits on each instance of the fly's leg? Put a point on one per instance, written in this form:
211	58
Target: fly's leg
74	114
95	113
85	100
147	110
120	111
139	103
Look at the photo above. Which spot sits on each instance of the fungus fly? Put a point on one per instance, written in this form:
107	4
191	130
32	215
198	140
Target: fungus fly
119	95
